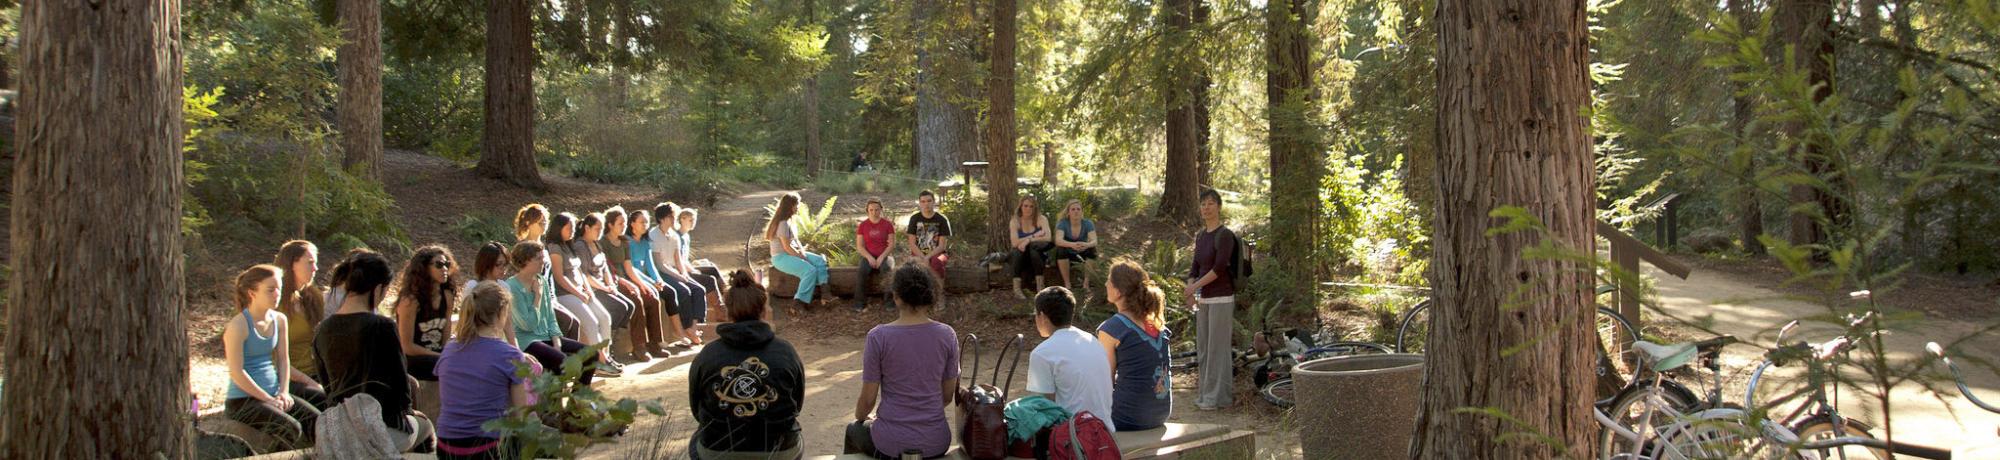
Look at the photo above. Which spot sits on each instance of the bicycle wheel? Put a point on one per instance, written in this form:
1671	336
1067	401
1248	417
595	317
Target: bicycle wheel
1182	361
1278	392
1615	332
1642	401
1414	328
1821	427
1343	349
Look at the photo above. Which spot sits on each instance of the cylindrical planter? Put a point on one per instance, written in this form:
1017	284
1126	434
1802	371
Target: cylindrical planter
1358	406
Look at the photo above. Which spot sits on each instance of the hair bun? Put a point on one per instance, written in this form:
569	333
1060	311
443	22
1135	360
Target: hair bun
742	279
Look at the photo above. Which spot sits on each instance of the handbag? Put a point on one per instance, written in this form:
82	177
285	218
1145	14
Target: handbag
983	406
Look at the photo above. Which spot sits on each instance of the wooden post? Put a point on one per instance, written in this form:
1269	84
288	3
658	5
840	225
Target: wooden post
1049	165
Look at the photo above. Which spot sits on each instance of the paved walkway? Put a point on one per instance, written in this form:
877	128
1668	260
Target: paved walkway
1920	416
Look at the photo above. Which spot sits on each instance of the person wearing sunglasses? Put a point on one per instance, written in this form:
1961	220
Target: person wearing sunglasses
423	308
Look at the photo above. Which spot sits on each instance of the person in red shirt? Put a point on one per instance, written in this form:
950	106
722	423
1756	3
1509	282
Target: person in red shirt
871	240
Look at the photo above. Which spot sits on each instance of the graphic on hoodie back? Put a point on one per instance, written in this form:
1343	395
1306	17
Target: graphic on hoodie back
741	389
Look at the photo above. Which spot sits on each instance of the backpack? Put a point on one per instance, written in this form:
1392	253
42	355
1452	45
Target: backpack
1083	437
1240	260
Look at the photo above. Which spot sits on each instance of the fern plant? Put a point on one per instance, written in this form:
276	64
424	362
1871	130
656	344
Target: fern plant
820	232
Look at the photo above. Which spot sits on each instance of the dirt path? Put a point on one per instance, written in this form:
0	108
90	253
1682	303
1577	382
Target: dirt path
1755	313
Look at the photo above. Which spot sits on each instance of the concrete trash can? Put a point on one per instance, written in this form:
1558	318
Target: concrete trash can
1358	406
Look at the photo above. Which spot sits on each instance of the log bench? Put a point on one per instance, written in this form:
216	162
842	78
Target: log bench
1174	441
958	280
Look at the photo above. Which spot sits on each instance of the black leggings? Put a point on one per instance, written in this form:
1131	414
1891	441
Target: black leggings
423	367
504	449
1029	264
292	428
551	358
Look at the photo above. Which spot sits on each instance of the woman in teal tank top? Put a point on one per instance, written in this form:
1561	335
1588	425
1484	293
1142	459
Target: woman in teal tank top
259	395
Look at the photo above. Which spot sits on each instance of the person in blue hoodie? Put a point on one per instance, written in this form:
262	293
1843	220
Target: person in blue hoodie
746	388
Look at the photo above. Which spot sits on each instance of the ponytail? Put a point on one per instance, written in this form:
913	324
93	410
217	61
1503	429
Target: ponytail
488	306
1142	296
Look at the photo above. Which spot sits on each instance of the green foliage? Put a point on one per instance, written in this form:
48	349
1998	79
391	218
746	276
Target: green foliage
836	183
566	418
676	180
435	105
968	220
482	227
1372	225
821	233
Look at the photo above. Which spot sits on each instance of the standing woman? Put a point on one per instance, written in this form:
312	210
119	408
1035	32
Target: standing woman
477	379
573	289
423	308
1078	239
531	222
789	255
690	299
253	346
534	311
1028	232
639	247
303	304
646	335
1211	288
597	276
1135	341
359	352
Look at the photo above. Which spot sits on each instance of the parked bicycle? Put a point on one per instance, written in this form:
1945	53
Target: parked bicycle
1614	331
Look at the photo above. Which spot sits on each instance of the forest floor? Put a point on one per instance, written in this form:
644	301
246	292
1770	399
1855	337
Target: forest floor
433	194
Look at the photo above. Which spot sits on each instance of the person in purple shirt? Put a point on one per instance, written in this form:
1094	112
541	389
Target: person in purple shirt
477	381
914	383
1211	288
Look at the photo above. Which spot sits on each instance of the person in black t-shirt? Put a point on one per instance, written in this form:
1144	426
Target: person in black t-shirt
929	234
359	352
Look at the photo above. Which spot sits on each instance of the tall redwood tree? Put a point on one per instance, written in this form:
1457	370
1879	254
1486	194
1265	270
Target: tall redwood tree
509	150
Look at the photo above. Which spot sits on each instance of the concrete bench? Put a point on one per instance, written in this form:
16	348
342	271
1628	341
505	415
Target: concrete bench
1174	441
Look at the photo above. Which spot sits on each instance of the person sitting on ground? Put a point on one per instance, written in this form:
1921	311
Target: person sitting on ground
598	280
477	381
690	296
531	223
646	334
871	243
639	248
1135	346
260	395
359	353
1068	368
1211	288
746	388
574	291
490	265
1076	240
304	304
914	382
1028	233
534	312
423	308
929	234
789	255
703	271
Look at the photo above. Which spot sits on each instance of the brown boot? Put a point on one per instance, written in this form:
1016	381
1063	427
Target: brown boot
621	349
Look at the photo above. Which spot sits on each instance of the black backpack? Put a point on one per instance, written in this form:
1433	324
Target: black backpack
1240	260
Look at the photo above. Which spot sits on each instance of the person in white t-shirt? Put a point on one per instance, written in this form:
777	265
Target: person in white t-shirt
1068	368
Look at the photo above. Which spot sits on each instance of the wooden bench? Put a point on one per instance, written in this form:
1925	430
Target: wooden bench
1174	441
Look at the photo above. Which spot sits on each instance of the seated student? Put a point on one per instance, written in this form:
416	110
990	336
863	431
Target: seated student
704	272
534	311
649	340
871	243
259	395
690	297
359	353
423	308
929	234
911	367
789	255
574	292
597	280
1135	345
639	248
303	304
1076	239
476	378
1068	368
1028	233
747	387
490	265
531	223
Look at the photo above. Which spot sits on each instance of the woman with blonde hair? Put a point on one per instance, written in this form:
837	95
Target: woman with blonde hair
477	379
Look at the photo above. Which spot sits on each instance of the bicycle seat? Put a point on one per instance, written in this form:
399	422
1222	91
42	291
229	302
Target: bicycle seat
1664	358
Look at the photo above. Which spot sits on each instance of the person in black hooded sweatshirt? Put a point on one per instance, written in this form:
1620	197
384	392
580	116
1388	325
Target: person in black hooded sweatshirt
746	389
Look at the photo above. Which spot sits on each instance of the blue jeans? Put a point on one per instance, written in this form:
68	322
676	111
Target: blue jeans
811	272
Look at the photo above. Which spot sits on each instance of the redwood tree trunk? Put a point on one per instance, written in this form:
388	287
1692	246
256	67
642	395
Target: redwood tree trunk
1183	169
812	111
1204	155
1000	170
946	129
1750	209
1804	25
97	352
1511	334
1296	160
360	104
509	150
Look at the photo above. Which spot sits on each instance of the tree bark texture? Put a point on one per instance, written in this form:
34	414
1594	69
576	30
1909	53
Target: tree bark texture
1183	168
97	351
946	129
1001	172
1750	209
509	150
1297	162
1512	335
1804	27
1203	81
360	104
812	110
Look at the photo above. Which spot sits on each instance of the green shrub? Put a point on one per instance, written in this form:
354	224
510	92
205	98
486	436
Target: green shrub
674	179
590	416
482	227
434	105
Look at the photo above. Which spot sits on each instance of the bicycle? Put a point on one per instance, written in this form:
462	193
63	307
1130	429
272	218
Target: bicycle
1272	365
1613	330
1901	448
1279	388
1652	400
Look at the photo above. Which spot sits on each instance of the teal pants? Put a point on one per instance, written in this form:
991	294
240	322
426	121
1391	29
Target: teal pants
811	272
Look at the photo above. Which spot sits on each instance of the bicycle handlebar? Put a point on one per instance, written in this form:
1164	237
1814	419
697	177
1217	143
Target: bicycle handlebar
1959	378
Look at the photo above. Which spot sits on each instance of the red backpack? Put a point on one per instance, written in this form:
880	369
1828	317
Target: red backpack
1083	437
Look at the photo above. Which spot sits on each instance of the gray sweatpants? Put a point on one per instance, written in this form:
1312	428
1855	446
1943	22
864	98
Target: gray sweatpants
1215	325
